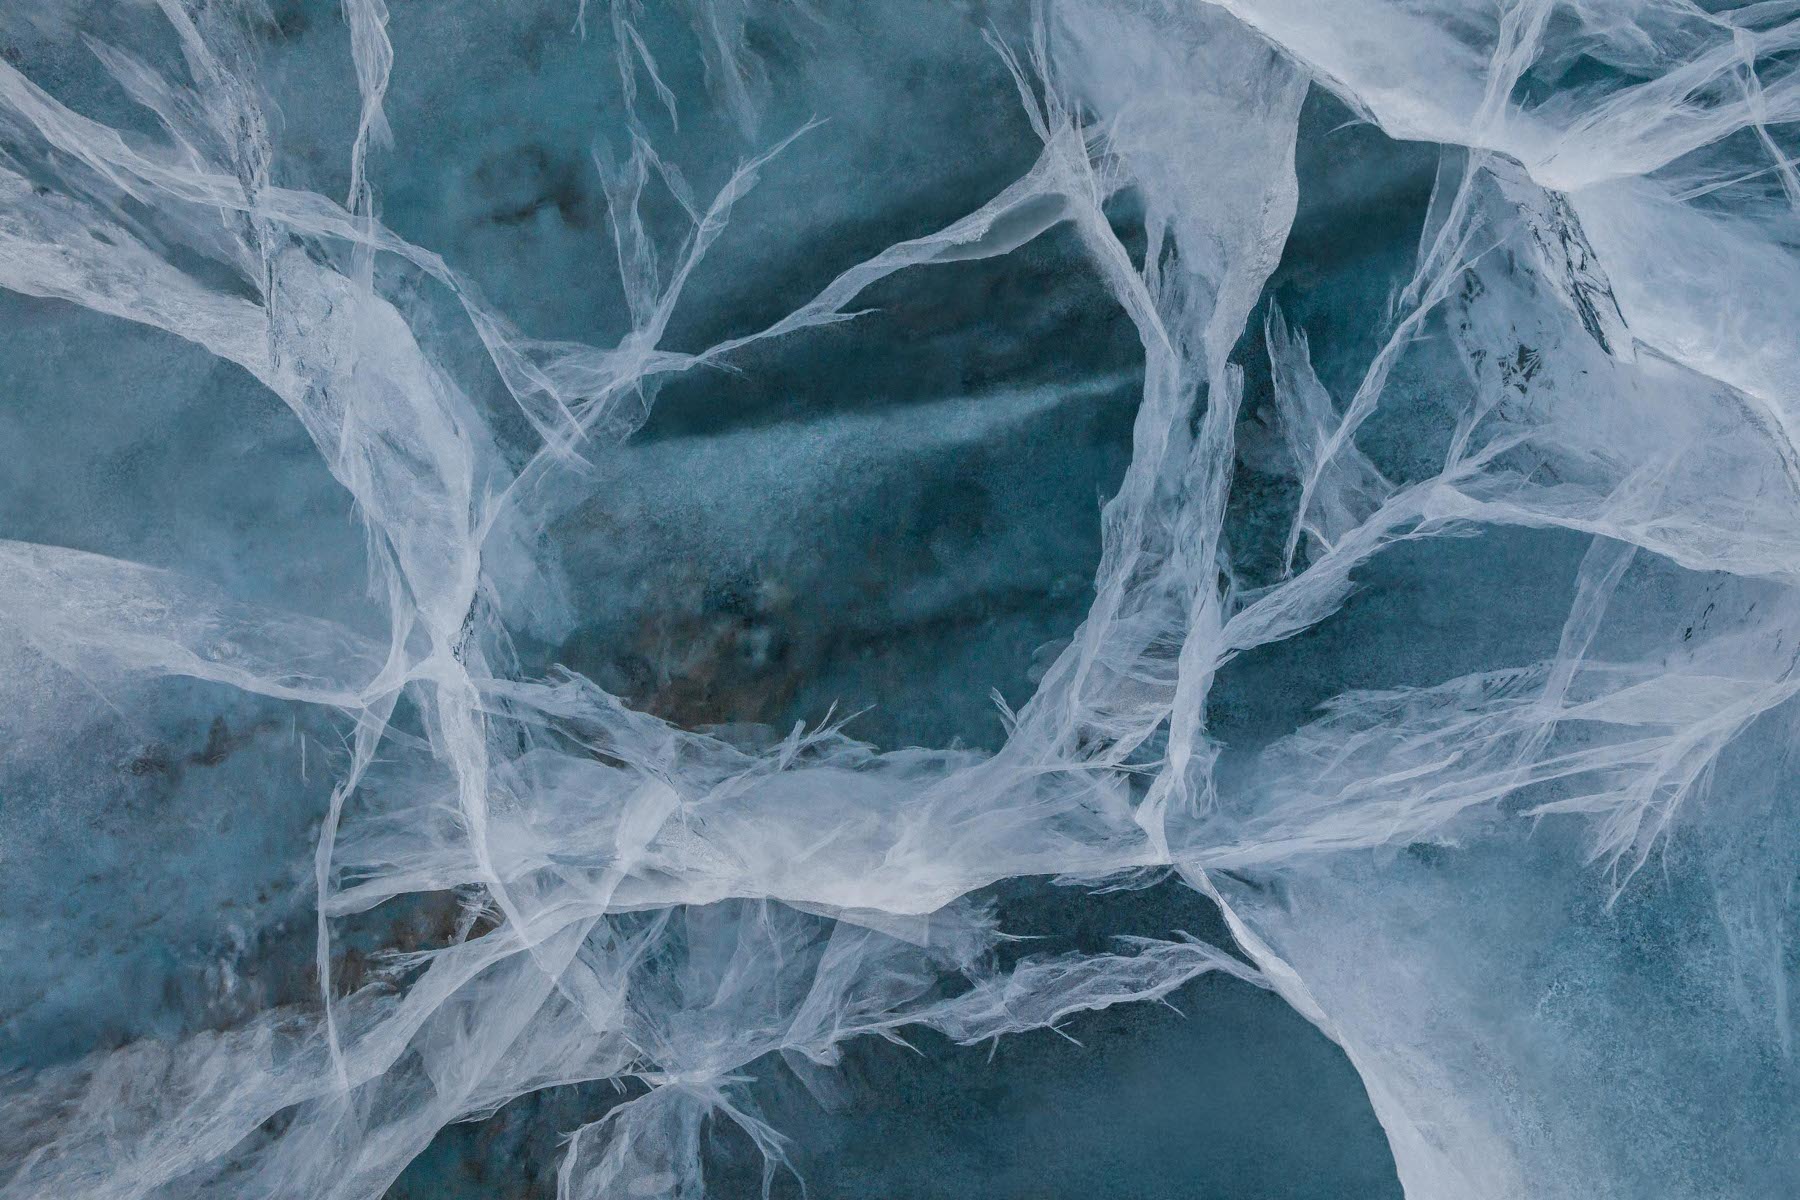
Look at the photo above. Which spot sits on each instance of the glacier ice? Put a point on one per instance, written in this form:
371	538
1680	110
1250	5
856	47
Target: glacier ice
596	564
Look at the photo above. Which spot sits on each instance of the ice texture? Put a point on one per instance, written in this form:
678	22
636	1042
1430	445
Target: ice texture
509	603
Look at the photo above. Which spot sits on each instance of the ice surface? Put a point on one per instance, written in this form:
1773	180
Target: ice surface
1328	470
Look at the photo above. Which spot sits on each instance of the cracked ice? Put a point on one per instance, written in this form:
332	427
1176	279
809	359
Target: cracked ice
575	567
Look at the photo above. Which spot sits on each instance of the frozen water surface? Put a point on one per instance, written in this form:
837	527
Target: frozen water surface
1096	598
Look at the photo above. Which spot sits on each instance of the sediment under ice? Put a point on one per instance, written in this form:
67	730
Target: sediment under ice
1439	626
